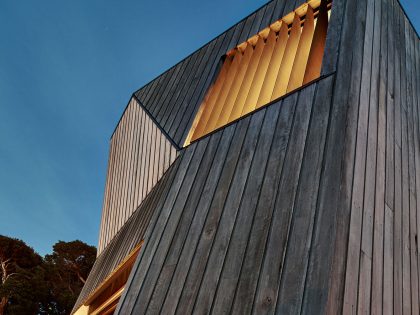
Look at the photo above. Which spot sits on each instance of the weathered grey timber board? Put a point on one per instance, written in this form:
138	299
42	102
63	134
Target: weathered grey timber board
174	97
309	205
128	237
379	240
201	254
140	153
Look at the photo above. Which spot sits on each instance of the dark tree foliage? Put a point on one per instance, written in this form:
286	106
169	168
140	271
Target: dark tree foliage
22	286
31	284
68	267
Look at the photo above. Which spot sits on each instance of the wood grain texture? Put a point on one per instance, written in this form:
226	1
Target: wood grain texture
129	236
175	96
139	155
201	248
309	205
382	261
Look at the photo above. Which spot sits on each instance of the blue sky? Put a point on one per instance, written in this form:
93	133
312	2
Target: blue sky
67	70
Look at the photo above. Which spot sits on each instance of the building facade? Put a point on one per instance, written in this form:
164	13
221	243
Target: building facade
274	170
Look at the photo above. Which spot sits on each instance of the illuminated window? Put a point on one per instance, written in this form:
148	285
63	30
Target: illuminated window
279	59
104	300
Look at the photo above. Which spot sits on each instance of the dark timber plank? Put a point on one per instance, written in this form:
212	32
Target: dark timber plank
217	251
256	24
192	77
156	205
268	14
152	243
185	101
389	189
378	228
176	87
416	104
182	228
299	239
398	298
156	93
245	31
355	256
332	43
169	225
178	71
247	284
289	6
278	10
406	273
235	252
270	276
150	91
365	271
201	252
309	205
165	113
155	99
411	172
190	244
323	289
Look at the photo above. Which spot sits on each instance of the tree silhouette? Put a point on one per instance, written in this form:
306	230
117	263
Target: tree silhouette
68	267
21	272
31	284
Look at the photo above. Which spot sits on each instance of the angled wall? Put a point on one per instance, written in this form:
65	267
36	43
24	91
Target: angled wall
307	205
174	97
127	238
233	233
379	243
139	154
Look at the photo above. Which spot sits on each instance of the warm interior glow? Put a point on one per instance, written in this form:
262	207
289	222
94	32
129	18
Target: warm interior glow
279	59
104	300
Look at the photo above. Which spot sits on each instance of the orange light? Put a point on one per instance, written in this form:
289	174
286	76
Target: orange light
278	60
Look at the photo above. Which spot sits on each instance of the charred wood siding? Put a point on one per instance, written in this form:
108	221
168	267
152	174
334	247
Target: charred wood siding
382	161
309	205
127	238
264	68
139	155
173	98
234	230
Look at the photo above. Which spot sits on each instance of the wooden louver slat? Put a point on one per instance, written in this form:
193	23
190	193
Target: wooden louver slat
276	61
218	106
286	67
313	68
302	54
258	81
211	98
236	86
246	84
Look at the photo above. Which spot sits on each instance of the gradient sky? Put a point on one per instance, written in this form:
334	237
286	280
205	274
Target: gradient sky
67	70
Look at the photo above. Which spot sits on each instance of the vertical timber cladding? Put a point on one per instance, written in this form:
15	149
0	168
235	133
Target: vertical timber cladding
125	241
234	231
174	97
276	61
379	78
139	155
